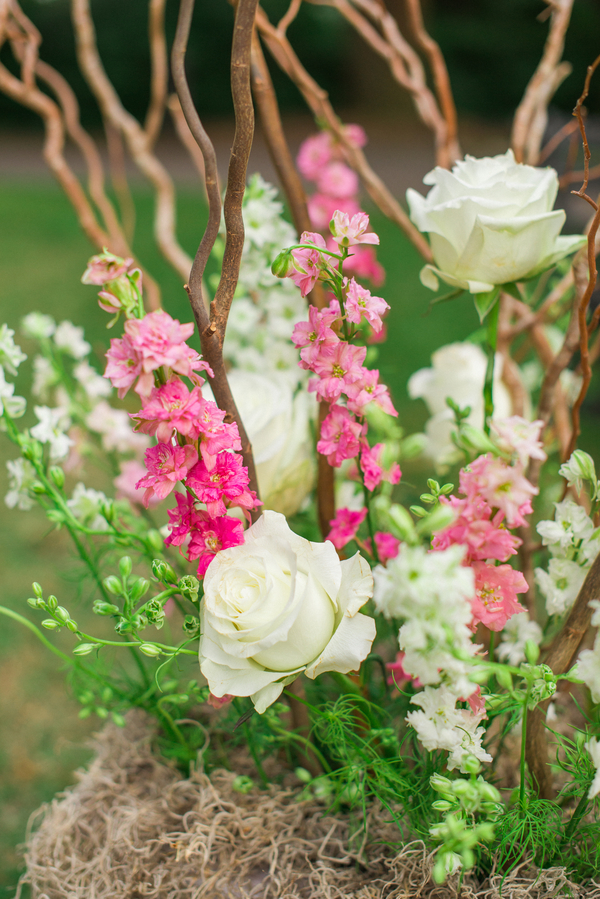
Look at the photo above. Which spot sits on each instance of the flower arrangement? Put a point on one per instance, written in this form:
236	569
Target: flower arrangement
395	652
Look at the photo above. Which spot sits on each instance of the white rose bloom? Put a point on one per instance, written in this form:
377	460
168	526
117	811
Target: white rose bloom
490	221
458	372
278	425
279	605
69	338
517	631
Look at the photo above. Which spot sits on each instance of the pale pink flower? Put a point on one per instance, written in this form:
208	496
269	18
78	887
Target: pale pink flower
105	267
517	435
214	434
315	333
397	673
359	301
227	481
473	527
476	702
321	208
502	487
347	232
356	135
132	472
166	464
124	364
170	407
315	153
337	366
344	526
309	264
367	389
372	470
210	535
338	180
496	594
341	436
363	263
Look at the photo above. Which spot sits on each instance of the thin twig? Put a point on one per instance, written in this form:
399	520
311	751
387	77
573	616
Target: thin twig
556	140
159	78
560	658
531	116
571	177
317	100
287	19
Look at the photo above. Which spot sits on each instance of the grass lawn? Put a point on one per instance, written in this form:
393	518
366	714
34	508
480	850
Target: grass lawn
42	258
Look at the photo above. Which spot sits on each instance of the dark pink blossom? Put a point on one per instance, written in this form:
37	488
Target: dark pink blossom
373	472
321	208
166	464
473	527
496	594
214	434
210	535
170	407
341	436
360	302
387	545
397	673
125	483
181	519
345	526
226	481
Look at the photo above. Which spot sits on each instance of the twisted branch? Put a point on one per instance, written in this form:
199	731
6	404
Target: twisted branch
159	77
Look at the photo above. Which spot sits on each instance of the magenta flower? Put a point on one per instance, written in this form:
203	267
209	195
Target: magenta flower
368	390
359	301
502	487
345	526
338	180
166	464
227	481
170	407
341	436
105	267
181	519
214	434
496	594
387	545
210	535
347	232
372	470
338	366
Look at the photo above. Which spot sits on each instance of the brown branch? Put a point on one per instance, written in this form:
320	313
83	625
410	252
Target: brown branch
159	78
212	324
560	658
531	116
405	66
317	100
556	140
185	136
571	177
578	113
137	141
440	77
287	19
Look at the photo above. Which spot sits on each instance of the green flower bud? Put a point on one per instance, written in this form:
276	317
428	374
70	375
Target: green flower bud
283	264
37	589
105	608
303	775
579	468
72	626
191	625
189	587
58	476
52	603
101	712
138	589
62	614
83	649
504	678
149	649
242	784
36	603
56	516
441	805
472	765
38	488
532	652
50	623
125	566
418	511
113	585
118	719
155	540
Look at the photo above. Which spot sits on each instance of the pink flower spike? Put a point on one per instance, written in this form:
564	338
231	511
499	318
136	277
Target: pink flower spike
168	408
309	265
502	487
348	231
181	519
517	435
345	526
159	340
227	481
125	483
496	594
315	152
166	464
105	267
472	527
210	536
124	364
359	301
338	180
341	436
321	208
338	366
368	390
214	434
372	470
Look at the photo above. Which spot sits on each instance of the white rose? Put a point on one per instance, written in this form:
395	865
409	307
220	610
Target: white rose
280	605
458	372
278	425
490	221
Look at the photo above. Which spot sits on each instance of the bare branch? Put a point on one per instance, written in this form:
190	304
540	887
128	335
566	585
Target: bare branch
317	100
556	140
186	137
160	70
287	19
531	116
137	141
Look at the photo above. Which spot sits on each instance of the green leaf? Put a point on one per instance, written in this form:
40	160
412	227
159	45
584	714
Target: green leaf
512	290
484	302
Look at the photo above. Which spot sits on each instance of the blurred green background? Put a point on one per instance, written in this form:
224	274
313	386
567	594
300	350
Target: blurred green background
43	253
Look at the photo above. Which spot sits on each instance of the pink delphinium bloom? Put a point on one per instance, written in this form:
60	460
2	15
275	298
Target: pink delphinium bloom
124	364
166	464
347	232
214	434
370	464
397	673
363	263
181	519
309	264
473	527
210	535
337	366
341	436
315	152
356	134
316	333
321	208
367	389
387	545
105	267
502	486
344	526
496	594
337	180
360	302
131	473
517	435
476	702
170	407
227	481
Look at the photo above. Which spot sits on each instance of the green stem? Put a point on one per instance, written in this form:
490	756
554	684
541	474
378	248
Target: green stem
488	387
575	819
370	524
24	621
523	743
307	743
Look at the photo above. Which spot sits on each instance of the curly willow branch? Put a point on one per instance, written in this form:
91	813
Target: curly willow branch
317	100
212	324
531	116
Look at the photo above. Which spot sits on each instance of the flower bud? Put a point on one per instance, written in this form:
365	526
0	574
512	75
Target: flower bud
118	719
37	589
532	651
471	765
579	468
62	614
113	585
155	540
189	587
138	589
150	649
38	488
441	805
105	608
83	649
52	603
36	603
283	264
191	625
162	571
125	566
72	626
58	476
504	678
50	623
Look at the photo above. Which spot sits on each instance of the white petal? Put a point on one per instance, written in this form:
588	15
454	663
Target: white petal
349	646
